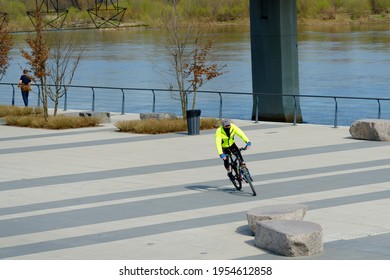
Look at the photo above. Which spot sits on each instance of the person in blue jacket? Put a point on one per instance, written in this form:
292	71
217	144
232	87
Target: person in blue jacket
24	84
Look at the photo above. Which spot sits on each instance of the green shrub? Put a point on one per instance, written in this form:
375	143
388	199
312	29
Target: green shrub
315	8
380	6
357	9
77	16
147	11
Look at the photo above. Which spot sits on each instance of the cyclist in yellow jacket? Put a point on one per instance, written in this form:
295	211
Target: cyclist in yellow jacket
224	140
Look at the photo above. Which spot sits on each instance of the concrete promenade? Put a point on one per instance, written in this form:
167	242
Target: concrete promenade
98	194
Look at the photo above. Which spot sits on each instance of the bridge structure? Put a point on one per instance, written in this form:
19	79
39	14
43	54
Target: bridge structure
3	17
274	50
54	12
106	12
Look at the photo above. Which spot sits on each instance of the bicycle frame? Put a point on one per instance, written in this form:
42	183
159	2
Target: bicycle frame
239	170
234	164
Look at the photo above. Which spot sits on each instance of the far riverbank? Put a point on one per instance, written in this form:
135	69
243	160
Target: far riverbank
339	20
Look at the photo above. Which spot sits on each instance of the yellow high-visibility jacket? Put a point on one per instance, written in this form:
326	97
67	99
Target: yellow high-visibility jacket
223	141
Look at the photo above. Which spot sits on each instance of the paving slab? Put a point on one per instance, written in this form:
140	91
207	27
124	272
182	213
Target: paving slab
96	193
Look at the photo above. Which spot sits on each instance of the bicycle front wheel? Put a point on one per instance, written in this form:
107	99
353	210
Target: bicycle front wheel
252	188
248	179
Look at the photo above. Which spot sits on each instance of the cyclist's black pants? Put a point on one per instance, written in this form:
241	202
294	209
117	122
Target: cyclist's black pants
233	148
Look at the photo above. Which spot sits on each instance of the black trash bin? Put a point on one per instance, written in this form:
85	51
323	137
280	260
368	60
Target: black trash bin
193	121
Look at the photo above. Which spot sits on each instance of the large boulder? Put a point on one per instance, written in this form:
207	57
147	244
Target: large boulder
291	238
275	212
371	129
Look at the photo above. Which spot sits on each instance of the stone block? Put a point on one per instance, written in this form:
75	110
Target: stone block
291	238
275	212
104	116
157	116
371	129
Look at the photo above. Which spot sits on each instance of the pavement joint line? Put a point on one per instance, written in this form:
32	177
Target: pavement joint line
316	175
93	205
171	216
157	196
140	169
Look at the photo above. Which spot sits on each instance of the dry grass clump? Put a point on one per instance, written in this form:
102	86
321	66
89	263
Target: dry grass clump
33	117
53	122
6	110
155	126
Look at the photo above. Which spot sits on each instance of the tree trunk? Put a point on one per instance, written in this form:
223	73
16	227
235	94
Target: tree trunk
44	99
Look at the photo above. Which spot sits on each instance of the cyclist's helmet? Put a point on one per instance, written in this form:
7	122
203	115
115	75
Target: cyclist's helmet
226	122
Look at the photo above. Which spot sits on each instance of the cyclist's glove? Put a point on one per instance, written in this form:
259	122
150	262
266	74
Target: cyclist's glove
222	156
248	144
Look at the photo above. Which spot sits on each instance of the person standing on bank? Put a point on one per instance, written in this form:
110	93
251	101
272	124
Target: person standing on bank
224	140
24	85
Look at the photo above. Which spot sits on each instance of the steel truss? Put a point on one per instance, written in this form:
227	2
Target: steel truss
52	15
3	18
106	12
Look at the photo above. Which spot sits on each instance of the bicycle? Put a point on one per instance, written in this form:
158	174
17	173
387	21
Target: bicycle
240	172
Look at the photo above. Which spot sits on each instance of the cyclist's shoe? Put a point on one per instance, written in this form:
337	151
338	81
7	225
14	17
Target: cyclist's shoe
231	176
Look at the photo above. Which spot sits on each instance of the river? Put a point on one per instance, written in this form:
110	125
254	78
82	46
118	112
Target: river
333	61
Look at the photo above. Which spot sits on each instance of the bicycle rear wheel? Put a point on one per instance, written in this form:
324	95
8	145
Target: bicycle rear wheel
237	182
248	179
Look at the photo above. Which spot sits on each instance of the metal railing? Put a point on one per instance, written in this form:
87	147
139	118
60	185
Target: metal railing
256	97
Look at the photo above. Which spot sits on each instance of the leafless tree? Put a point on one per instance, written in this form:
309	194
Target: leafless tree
63	62
176	42
189	50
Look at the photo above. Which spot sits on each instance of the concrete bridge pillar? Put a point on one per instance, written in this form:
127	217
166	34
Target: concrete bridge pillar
274	50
